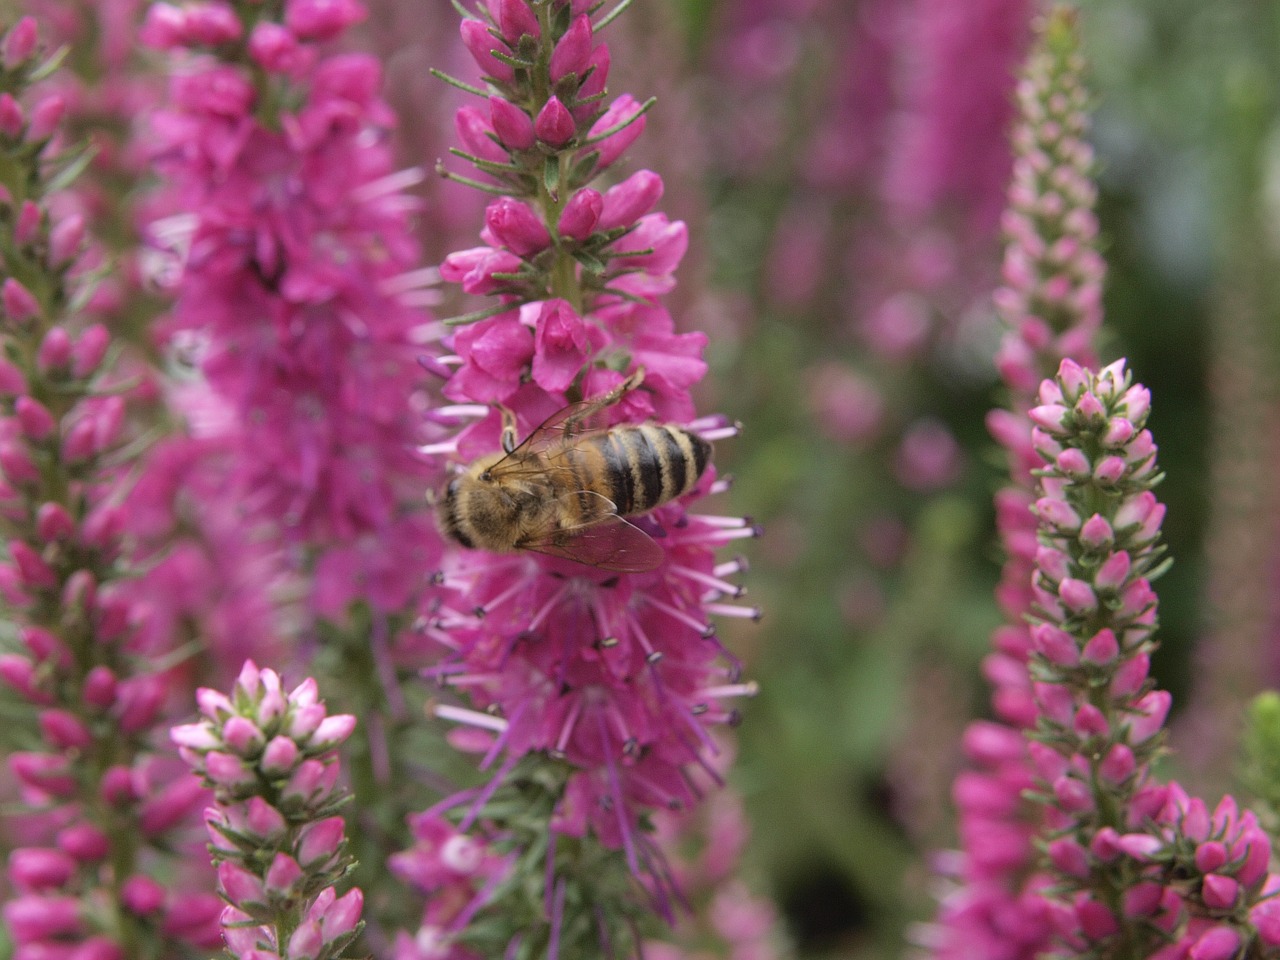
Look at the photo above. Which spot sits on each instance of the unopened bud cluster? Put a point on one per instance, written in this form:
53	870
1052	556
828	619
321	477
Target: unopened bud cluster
276	834
1139	862
1052	293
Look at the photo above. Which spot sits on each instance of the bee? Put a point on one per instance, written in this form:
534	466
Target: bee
566	490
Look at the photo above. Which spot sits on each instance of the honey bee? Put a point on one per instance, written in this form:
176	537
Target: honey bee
565	490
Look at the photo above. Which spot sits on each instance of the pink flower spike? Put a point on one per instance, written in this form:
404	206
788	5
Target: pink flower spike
573	50
581	214
554	124
513	126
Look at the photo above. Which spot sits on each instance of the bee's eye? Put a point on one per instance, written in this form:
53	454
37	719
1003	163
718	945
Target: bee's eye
486	477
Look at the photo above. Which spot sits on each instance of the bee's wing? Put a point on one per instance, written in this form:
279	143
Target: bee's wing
553	432
610	543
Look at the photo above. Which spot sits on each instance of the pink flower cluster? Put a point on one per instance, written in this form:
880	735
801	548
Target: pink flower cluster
102	804
276	835
617	675
295	290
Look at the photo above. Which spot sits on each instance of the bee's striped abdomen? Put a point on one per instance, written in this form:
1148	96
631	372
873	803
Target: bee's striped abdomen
648	465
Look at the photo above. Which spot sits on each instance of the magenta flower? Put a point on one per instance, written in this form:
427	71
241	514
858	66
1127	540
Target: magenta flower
271	760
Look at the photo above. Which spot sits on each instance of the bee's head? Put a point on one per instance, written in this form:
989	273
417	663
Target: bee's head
476	511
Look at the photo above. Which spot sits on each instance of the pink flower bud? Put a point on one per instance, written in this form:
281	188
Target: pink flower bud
212	23
12	380
16	463
1072	795
280	756
1102	647
20	42
20	674
480	43
625	110
581	214
626	202
100	688
63	730
34	918
1058	514
32	868
1220	943
1090	721
320	841
142	895
1049	417
283	873
515	226
20	305
55	351
242	735
305	720
477	135
1149	715
1055	645
34	418
312	781
1210	856
573	50
1069	857
240	886
170	805
1077	595
1096	921
515	20
89	350
43	771
554	124
332	731
1118	765
321	20
264	820
594	77
307	941
512	125
1119	432
117	786
1114	572
1142	899
85	841
46	115
30	217
341	917
12	117
1096	533
1265	917
1074	464
32	568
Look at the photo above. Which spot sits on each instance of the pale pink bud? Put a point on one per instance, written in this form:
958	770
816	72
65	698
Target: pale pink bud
1136	403
1074	463
20	305
1110	469
1149	715
1096	533
242	735
332	731
1090	721
1049	763
20	42
12	380
554	124
263	819
165	27
1050	417
32	568
1057	513
283	873
275	48
305	720
1210	856
477	135
343	914
34	418
280	755
1113	572
1077	595
195	736
248	681
20	674
55	351
513	126
319	841
307	941
46	115
100	688
16	463
1055	703
239	885
89	350
227	770
573	50
1118	765
312	781
1055	645
1119	432
1102	647
30	216
581	214
35	918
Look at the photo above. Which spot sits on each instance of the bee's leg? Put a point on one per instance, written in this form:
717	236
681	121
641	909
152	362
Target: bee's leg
508	429
591	407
